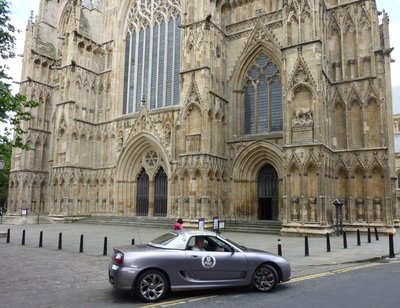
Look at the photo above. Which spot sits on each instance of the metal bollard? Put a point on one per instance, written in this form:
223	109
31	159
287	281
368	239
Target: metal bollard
41	239
105	246
391	247
60	241
358	238
307	251
344	240
81	244
369	235
23	237
8	235
376	234
328	243
279	247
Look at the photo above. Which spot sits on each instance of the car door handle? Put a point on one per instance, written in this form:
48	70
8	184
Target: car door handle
195	256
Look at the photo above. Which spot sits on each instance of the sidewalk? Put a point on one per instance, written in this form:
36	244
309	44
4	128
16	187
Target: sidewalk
293	248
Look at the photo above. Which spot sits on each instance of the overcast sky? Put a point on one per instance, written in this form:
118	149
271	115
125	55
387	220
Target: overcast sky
21	11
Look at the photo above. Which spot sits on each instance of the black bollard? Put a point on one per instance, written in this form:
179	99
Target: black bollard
376	234
41	239
358	238
81	244
133	241
344	240
60	241
391	247
369	235
23	237
8	235
307	251
328	243
279	247
105	246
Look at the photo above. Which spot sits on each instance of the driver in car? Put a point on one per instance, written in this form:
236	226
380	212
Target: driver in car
199	244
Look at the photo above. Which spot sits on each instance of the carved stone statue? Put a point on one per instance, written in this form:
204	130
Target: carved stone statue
303	117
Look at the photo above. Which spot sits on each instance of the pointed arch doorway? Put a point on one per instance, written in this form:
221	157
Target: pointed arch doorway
161	193
268	193
142	198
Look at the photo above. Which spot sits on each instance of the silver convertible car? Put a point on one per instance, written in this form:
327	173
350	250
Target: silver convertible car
174	262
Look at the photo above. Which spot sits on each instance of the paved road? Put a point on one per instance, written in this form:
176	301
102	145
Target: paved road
49	277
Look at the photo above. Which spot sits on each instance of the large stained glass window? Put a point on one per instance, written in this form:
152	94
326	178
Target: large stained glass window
263	97
152	55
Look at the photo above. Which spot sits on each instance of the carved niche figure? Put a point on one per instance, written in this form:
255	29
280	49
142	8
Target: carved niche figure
377	209
303	117
295	208
360	209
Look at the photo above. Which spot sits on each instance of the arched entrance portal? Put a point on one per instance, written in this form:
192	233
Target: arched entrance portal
161	193
268	193
142	200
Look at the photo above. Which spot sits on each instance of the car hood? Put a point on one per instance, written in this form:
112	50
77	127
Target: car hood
257	250
266	253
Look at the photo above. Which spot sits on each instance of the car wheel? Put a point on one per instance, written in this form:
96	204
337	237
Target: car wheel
151	286
265	278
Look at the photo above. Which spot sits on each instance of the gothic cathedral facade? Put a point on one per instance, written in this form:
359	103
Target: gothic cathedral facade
242	109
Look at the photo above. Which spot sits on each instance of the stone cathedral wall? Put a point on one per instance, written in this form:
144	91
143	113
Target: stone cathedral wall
320	67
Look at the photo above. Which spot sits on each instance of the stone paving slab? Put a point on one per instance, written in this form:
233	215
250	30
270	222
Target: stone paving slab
293	248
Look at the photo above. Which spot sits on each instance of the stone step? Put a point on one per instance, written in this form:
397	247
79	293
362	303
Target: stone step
265	227
25	220
255	226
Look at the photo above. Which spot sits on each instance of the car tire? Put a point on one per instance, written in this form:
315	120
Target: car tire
151	286
265	278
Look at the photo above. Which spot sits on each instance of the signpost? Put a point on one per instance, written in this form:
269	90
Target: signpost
338	205
201	224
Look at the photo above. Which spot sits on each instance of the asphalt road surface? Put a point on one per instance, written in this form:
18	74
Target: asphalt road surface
368	285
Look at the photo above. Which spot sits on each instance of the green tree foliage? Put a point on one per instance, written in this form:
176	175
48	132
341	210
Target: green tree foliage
14	109
5	154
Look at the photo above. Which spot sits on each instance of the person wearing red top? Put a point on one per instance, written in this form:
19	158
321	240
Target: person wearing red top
178	225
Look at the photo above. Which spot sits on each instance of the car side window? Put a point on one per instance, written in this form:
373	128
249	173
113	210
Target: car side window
214	244
211	243
190	243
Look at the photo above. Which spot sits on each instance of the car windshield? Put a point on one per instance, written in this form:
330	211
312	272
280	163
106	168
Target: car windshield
244	248
164	239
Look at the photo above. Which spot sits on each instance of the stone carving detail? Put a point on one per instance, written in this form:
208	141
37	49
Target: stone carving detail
91	4
193	98
301	75
295	208
151	159
312	203
360	209
303	117
377	209
152	10
271	19
195	37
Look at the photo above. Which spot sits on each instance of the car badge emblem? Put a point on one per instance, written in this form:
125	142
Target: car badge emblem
208	261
